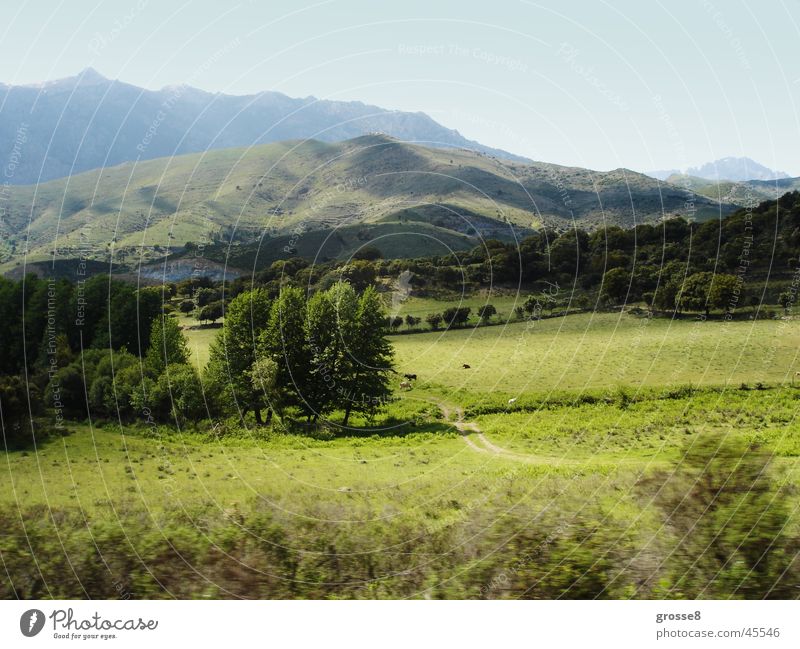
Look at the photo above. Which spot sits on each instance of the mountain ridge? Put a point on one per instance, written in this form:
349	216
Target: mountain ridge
86	122
367	187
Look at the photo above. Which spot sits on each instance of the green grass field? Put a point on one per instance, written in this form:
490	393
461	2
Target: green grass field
452	492
583	351
602	350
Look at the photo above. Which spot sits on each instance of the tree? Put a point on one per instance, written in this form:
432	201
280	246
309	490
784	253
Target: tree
206	296
786	300
486	312
434	320
396	322
725	292
263	377
412	321
233	352
109	391
167	345
330	328
211	312
284	341
532	305
359	273
666	297
16	396
186	306
178	395
367	384
456	316
616	284
694	294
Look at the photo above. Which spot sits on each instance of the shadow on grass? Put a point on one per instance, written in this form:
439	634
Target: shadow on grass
389	429
22	437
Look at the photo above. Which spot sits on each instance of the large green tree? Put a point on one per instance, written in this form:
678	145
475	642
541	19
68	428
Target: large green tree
233	352
371	359
167	346
284	341
705	291
616	284
726	292
330	327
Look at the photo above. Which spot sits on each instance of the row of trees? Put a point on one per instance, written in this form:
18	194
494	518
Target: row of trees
452	317
316	355
105	349
698	292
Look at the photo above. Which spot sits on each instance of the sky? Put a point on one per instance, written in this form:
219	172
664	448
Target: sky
642	85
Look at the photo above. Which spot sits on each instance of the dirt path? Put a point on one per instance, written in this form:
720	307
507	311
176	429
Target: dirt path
474	438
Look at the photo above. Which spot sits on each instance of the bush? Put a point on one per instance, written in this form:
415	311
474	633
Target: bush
211	312
178	395
14	396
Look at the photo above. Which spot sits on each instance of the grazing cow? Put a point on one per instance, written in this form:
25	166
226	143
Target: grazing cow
411	377
514	400
405	385
465	366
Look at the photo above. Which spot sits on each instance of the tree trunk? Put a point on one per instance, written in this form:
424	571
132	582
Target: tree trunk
346	415
257	413
269	415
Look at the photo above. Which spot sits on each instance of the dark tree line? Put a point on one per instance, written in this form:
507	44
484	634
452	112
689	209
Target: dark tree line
106	350
60	343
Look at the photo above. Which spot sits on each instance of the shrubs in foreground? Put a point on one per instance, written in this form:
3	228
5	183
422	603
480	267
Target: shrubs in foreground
715	527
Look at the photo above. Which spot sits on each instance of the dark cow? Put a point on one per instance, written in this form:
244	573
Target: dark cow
465	366
411	377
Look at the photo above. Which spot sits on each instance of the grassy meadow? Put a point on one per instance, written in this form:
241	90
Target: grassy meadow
452	491
602	350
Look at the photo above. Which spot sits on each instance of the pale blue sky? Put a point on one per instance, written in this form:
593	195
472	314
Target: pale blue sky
645	85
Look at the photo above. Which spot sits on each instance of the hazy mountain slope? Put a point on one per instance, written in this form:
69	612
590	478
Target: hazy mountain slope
742	193
288	189
88	121
735	169
724	170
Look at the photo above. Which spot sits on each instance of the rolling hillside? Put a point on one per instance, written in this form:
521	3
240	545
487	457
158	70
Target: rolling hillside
321	198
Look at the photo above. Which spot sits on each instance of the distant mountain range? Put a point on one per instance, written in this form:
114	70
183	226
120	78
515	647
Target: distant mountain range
724	169
321	199
741	192
64	127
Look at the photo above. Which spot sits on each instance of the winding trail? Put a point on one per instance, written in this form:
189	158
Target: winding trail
474	438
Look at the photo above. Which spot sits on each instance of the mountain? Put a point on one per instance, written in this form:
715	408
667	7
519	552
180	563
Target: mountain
746	193
724	169
86	122
321	199
735	169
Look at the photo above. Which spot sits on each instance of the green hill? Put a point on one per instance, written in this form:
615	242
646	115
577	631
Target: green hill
319	199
